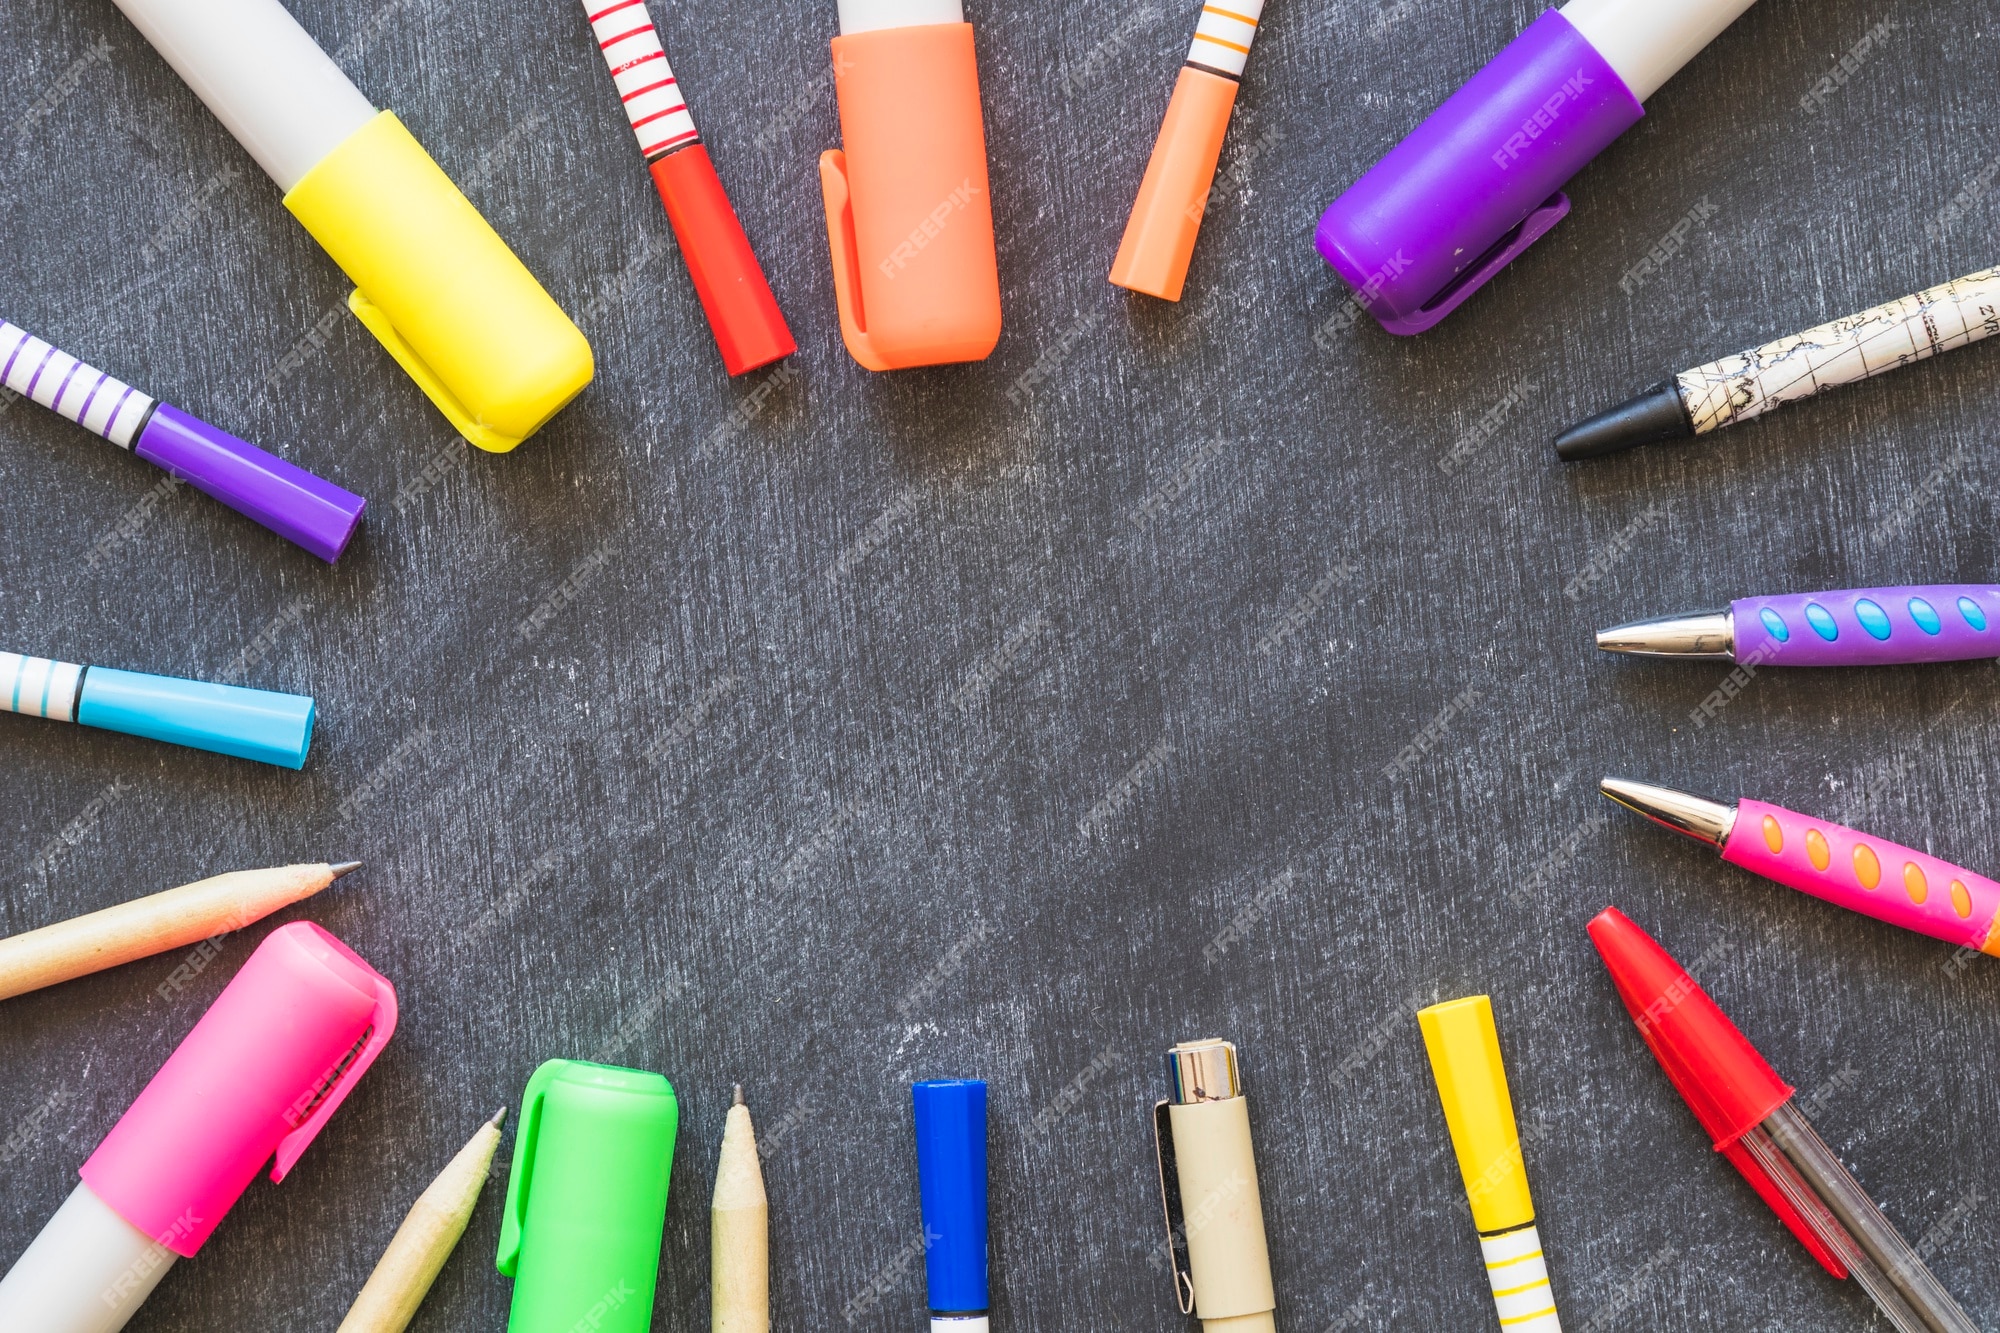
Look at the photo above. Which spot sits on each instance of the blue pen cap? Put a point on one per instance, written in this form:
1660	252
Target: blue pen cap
227	719
951	1174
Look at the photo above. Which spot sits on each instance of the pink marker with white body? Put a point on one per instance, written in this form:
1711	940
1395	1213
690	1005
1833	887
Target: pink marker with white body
257	1079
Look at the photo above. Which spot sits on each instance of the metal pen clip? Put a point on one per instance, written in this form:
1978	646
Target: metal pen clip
1170	1206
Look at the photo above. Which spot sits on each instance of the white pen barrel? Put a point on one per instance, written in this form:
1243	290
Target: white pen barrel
868	15
262	75
39	687
1647	41
88	1272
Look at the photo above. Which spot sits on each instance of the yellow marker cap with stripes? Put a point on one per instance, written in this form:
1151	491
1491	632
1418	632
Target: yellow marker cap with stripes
1472	1083
1464	1047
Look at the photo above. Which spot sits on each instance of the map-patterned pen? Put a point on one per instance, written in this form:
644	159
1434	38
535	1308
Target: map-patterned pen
1751	383
1949	622
288	500
1864	874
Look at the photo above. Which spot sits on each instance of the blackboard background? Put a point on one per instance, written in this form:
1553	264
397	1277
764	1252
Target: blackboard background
894	640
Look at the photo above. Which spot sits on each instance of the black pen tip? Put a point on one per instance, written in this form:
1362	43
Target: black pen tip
1654	417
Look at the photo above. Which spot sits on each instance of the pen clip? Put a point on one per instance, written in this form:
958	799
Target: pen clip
376	320
527	1137
341	1079
1170	1206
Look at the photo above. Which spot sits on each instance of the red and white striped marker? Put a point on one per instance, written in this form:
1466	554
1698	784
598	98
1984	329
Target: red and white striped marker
646	83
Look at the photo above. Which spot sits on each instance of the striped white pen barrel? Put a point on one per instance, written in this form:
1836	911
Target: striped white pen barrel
1520	1279
646	83
1222	39
39	687
66	386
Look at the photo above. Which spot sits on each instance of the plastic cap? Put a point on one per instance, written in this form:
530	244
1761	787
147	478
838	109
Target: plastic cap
287	499
1160	235
1726	1083
1464	1048
1478	182
260	1076
749	329
587	1201
439	289
951	1174
226	719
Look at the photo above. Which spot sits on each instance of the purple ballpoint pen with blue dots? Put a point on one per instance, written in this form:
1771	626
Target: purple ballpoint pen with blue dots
1946	622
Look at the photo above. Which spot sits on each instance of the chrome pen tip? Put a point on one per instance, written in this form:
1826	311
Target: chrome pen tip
344	868
1705	635
1696	816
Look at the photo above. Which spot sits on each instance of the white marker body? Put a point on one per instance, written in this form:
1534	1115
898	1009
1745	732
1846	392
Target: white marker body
88	1272
869	15
262	75
1647	41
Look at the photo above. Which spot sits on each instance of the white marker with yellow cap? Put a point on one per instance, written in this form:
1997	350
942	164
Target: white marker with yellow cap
1464	1048
455	307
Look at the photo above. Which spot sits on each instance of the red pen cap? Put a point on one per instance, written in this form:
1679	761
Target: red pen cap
1729	1087
260	1075
749	329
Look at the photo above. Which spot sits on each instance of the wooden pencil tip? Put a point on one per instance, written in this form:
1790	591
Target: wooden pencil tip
498	1116
345	868
739	1095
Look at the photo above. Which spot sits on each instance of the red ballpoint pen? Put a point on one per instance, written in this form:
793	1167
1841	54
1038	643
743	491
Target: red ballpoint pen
1748	1111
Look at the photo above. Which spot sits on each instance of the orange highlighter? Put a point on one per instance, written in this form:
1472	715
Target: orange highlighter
1159	239
908	214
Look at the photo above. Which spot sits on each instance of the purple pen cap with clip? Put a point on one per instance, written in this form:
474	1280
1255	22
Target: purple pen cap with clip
1480	181
290	501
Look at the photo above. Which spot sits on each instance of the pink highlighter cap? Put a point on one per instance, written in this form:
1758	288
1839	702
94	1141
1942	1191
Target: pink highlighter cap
267	1066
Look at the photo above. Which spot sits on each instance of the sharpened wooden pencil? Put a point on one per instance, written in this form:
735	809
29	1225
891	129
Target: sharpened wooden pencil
144	927
740	1232
417	1253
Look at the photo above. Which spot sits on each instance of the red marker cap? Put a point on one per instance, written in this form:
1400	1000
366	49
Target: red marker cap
749	329
1730	1087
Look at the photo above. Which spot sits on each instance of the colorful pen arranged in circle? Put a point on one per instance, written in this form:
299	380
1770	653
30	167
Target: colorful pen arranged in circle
1943	622
743	314
301	508
226	719
1749	384
1864	874
1750	1115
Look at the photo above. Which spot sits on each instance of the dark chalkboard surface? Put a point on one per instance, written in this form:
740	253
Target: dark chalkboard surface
822	731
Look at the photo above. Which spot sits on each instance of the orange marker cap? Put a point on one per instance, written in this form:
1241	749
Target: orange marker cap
1159	239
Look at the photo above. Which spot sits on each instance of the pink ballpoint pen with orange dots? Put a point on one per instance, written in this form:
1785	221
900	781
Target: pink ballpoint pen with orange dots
1864	874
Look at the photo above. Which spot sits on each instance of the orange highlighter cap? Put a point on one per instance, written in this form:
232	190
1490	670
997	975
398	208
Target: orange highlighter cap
1159	239
908	212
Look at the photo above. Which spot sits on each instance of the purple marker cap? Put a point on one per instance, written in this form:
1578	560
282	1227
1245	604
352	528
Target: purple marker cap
288	500
1480	181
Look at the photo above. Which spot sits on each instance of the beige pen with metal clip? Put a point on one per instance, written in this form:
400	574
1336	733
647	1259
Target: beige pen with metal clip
1208	1186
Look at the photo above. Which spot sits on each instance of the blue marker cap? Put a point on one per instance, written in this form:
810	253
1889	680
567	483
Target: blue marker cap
951	1174
227	719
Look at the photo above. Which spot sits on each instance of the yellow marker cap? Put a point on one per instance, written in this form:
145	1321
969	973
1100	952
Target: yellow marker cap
1464	1048
455	307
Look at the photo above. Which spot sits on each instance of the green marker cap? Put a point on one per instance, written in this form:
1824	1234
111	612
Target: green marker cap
587	1203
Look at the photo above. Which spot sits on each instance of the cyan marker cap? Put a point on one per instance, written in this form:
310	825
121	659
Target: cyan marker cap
227	719
951	1174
